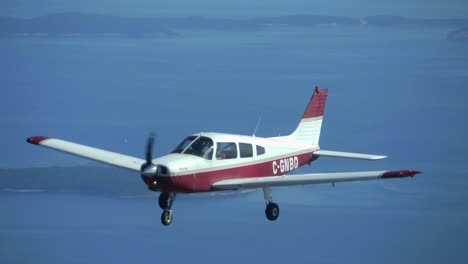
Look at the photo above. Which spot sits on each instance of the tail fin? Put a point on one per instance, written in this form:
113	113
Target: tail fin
308	130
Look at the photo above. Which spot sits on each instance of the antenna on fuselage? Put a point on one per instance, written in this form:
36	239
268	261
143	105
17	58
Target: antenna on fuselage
258	124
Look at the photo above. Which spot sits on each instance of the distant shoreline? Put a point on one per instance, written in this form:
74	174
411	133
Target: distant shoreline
95	25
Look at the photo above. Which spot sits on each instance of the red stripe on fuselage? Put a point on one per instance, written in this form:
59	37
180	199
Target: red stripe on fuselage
202	182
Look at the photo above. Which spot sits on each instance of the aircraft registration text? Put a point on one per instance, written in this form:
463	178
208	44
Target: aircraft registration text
285	165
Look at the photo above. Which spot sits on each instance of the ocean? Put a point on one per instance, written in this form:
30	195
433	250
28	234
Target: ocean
393	91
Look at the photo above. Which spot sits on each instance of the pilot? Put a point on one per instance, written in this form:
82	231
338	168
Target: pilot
196	147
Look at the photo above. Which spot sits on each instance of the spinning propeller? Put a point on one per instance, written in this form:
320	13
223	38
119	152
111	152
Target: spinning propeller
148	169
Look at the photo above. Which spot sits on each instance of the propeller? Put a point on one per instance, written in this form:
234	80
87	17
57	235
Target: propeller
148	169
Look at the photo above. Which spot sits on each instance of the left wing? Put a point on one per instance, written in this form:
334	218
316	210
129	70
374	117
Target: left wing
314	178
104	156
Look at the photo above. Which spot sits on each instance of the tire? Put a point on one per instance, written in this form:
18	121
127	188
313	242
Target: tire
272	211
166	217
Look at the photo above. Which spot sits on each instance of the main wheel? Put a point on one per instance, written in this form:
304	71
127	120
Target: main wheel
272	211
166	217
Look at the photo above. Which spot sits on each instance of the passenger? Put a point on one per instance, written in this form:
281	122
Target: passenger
220	154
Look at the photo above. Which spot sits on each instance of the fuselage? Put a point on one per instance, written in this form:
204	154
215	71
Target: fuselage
205	158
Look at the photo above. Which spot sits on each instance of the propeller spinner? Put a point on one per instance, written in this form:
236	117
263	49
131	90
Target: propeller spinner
148	169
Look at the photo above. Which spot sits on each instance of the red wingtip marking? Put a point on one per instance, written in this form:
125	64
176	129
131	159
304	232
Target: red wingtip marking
36	140
400	174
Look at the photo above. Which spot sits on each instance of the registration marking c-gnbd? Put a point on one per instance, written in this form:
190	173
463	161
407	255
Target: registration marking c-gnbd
285	165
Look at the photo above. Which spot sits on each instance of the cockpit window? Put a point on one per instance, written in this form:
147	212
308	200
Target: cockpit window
198	146
184	144
226	150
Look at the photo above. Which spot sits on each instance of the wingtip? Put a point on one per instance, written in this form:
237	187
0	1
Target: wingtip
400	174
36	139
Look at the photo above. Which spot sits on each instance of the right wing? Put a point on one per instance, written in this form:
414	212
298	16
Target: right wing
348	155
314	178
104	156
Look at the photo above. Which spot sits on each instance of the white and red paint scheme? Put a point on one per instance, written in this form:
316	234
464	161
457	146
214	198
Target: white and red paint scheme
206	162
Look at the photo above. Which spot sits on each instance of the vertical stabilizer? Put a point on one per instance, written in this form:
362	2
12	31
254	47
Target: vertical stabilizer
308	130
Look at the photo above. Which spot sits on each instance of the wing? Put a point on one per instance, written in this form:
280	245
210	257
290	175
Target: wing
315	178
348	155
104	156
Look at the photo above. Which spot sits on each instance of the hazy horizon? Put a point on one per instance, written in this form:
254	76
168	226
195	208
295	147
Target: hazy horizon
240	9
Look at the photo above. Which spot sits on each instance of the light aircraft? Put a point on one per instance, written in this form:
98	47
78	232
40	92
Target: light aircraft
207	162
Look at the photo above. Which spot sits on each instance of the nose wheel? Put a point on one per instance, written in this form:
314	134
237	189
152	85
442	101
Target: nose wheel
272	209
166	201
166	217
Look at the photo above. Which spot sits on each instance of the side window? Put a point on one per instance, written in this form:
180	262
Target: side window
246	150
260	150
226	150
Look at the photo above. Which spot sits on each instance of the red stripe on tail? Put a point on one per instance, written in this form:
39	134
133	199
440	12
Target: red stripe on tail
316	105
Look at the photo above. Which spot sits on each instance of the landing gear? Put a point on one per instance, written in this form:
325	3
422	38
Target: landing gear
272	209
165	202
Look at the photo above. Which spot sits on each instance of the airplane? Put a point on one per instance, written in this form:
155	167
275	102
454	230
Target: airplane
211	162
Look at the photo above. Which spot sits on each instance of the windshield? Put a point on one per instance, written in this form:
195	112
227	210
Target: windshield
198	146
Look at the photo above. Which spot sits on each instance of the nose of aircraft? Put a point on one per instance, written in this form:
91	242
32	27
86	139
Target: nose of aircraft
149	170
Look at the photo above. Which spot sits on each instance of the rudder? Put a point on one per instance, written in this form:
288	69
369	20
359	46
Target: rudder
308	130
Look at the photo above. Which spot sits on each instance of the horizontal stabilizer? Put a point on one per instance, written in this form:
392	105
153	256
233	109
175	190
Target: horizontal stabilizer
315	178
347	155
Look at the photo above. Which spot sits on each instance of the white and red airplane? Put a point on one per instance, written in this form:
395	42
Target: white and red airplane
207	162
